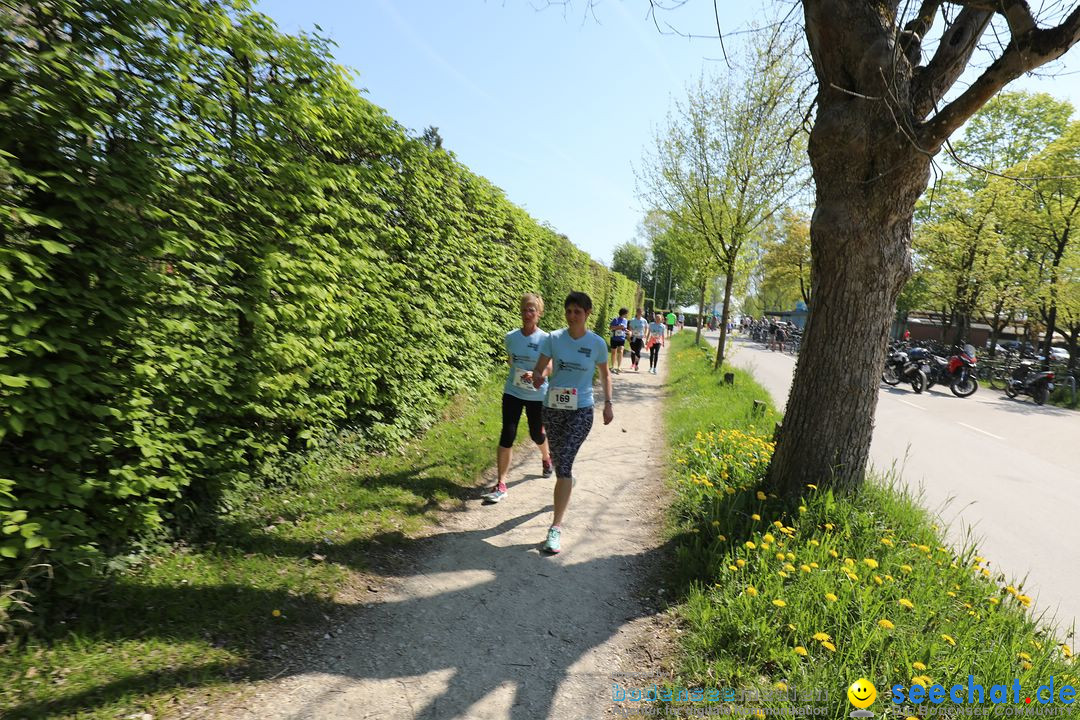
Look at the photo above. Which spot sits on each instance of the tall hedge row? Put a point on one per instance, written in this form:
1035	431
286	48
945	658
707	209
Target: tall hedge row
212	250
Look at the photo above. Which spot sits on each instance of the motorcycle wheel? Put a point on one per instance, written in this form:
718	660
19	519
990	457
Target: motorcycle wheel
1041	395
1011	389
966	387
918	382
889	376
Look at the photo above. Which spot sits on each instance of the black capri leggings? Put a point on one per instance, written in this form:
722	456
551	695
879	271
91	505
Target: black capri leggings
635	349
654	355
511	413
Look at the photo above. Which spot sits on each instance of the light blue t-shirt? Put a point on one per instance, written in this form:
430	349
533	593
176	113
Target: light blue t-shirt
524	351
573	362
637	327
657	328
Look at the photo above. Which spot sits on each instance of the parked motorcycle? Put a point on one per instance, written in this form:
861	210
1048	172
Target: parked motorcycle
1026	380
957	371
899	367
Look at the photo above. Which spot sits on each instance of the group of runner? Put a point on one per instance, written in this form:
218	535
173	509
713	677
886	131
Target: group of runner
551	379
642	334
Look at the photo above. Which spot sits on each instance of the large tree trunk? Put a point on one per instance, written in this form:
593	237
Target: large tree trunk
868	176
701	311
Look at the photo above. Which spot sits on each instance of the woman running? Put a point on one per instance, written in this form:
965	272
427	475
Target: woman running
568	409
639	326
618	340
654	340
523	349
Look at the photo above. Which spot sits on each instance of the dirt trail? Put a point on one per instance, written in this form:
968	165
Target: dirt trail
488	628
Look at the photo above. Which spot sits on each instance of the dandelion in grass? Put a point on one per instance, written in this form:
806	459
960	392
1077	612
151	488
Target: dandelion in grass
887	624
760	495
848	562
814	543
1024	600
870	563
831	597
811	486
906	569
949	639
828	646
829	526
1066	651
802	508
1025	665
878	580
755	517
918	666
800	650
751	591
805	568
923	680
779	603
768	537
782	686
821	637
833	554
790	557
993	601
749	544
887	542
907	603
740	562
1024	656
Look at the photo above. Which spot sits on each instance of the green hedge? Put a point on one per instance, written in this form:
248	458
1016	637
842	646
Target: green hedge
212	250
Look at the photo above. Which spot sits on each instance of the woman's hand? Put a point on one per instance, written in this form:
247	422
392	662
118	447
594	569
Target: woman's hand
609	413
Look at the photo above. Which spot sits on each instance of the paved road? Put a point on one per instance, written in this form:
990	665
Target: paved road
1006	471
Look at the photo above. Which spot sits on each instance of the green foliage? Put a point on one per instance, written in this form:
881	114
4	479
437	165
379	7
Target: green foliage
215	251
811	593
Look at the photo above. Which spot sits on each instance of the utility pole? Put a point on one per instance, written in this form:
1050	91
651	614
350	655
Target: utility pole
669	288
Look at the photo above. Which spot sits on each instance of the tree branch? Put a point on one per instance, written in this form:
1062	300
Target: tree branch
930	82
1025	52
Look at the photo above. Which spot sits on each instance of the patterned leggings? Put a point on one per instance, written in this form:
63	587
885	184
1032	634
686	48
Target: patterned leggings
566	431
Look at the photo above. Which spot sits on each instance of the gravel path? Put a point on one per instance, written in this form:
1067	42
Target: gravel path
487	626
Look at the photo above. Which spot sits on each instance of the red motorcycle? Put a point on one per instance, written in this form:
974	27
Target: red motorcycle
958	372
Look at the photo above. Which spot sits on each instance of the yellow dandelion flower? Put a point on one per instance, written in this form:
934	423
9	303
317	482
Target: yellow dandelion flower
907	603
791	627
918	666
800	650
951	594
924	549
755	517
1025	665
949	639
821	637
923	680
829	526
805	568
740	562
814	565
789	567
750	544
722	538
1024	600
276	613
1023	656
1066	650
781	573
828	646
848	562
777	524
878	580
781	686
814	543
993	601
890	578
768	537
802	508
779	556
790	557
906	569
760	495
751	591
811	486
779	603
833	553
870	563
732	567
886	542
831	597
887	624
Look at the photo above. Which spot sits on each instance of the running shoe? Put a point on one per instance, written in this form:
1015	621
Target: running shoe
497	493
547	468
552	545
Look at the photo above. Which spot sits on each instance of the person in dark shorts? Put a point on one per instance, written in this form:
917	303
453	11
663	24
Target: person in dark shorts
639	327
618	328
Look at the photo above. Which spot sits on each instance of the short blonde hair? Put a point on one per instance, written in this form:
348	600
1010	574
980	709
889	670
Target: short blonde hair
532	299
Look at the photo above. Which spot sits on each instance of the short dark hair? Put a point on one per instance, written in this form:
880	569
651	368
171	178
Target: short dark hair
623	311
580	299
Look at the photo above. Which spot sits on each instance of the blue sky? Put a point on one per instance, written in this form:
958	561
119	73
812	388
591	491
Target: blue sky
554	107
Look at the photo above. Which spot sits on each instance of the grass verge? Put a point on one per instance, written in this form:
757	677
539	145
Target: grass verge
193	618
791	602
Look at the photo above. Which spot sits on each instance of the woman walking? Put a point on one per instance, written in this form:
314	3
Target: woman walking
568	409
523	349
655	340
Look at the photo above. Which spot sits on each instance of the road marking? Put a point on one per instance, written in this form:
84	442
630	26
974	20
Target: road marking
969	427
917	407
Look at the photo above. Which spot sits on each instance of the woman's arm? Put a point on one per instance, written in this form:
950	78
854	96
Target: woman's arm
539	371
605	380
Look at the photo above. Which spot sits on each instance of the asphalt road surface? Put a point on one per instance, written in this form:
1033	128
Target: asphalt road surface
1007	472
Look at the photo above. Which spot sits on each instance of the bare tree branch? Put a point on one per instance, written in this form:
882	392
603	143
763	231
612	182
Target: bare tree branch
930	83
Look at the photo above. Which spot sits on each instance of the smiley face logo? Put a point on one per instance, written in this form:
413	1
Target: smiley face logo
862	693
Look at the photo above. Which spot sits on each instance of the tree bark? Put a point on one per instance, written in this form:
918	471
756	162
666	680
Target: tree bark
724	318
701	311
868	176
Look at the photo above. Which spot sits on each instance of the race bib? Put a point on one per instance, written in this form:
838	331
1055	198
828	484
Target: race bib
563	398
520	382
